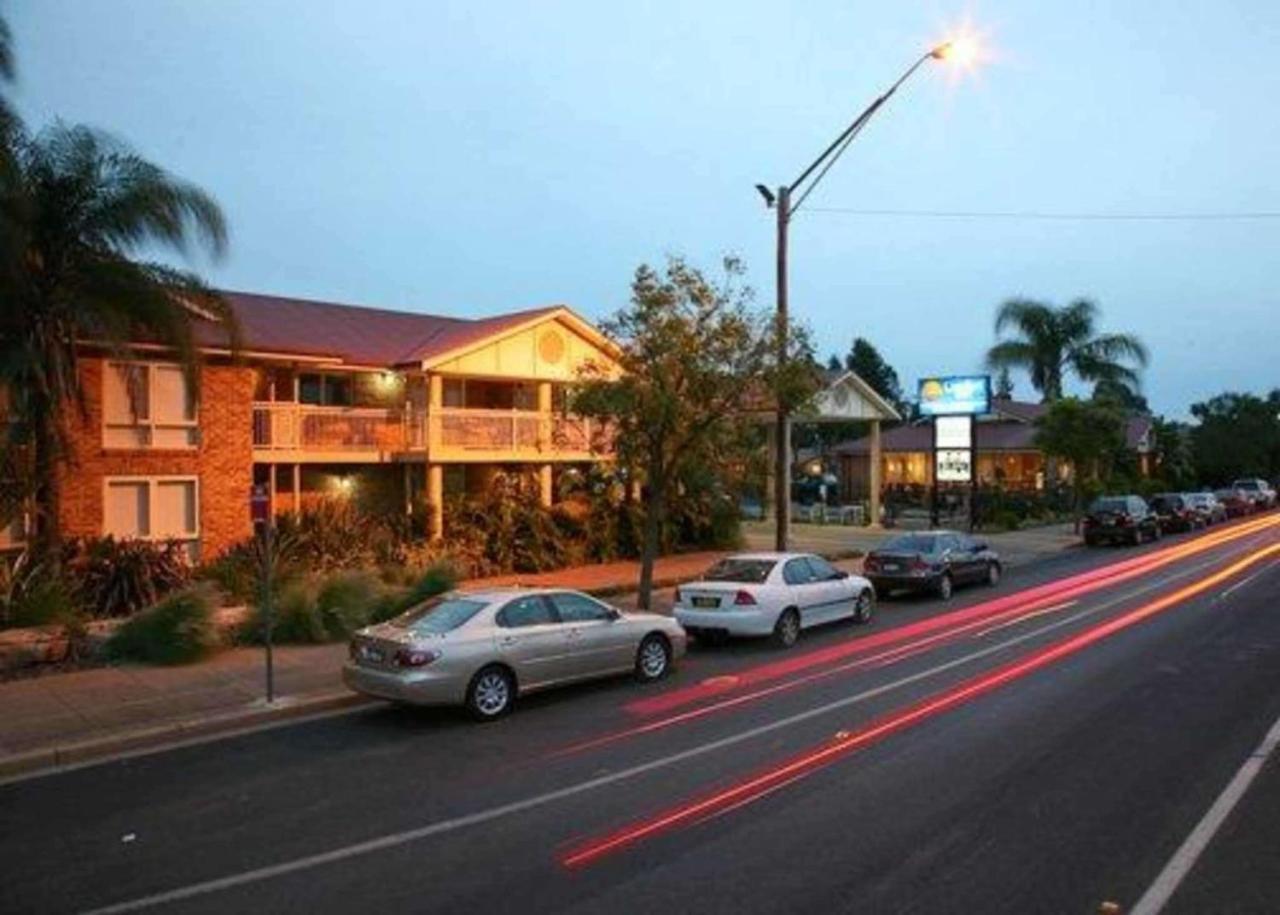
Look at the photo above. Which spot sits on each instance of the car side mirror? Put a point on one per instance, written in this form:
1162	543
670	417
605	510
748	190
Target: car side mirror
614	615
840	575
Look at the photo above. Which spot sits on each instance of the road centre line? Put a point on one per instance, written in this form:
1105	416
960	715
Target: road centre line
453	824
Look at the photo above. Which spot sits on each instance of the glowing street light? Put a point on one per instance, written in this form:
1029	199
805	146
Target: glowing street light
963	51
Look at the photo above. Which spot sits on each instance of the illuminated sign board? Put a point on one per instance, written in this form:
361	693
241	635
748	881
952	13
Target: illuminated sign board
954	465
953	432
955	395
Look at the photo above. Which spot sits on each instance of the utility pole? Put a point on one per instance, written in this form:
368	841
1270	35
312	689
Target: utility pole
782	438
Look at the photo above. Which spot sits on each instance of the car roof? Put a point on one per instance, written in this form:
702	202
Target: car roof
768	556
507	592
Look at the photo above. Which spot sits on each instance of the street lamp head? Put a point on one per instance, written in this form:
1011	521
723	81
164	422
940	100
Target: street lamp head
766	194
961	50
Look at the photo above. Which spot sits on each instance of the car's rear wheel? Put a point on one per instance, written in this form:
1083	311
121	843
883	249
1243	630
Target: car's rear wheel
993	574
864	608
786	631
653	659
491	693
945	586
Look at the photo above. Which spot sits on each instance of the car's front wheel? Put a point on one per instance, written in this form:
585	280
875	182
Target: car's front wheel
491	694
786	631
653	659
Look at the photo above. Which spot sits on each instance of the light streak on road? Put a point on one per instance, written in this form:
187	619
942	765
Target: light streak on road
775	777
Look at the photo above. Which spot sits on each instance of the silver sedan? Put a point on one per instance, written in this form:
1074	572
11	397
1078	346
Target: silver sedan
481	649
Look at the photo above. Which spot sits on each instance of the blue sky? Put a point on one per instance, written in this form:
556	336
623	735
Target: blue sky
468	158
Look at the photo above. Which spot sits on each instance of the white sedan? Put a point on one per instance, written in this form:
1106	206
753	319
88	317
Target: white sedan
773	594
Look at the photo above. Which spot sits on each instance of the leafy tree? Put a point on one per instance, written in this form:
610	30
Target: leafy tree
1049	342
1175	464
694	362
865	360
1004	383
81	210
1084	433
1238	435
1120	395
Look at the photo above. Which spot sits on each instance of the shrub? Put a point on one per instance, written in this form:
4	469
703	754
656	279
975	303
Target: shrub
42	602
178	630
346	601
117	577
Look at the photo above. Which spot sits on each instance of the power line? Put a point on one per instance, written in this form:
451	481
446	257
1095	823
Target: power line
1051	216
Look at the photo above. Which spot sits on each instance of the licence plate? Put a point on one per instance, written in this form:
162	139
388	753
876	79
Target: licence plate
368	653
706	602
892	567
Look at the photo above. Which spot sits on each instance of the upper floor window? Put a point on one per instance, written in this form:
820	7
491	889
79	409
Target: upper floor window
148	405
326	390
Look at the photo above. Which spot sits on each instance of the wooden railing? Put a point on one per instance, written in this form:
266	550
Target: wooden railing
306	427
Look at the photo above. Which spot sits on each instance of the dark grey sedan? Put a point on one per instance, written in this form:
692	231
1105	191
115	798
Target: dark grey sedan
934	561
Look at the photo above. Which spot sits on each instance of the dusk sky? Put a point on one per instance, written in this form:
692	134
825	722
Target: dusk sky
469	158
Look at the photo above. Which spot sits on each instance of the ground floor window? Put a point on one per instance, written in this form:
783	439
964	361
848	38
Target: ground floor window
153	508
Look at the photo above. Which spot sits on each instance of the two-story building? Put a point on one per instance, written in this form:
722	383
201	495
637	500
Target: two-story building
321	401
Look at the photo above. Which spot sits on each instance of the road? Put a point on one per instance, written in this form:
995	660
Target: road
1044	746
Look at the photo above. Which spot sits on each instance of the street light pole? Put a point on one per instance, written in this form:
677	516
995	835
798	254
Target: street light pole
784	208
782	436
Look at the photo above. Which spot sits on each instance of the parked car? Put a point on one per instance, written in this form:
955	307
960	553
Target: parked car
931	561
1120	519
482	649
1175	513
1206	504
771	594
1235	502
1257	491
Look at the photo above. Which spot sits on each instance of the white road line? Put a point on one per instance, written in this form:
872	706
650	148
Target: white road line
440	827
1026	616
1184	859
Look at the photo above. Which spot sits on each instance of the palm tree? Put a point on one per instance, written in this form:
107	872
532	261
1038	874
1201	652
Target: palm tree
1049	342
80	214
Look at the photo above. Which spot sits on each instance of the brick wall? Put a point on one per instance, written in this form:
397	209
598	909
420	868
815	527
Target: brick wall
223	460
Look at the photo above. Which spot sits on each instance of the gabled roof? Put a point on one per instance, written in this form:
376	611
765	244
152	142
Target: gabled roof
359	335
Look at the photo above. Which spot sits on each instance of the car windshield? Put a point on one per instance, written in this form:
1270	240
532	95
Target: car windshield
911	543
1247	484
438	615
741	571
1109	505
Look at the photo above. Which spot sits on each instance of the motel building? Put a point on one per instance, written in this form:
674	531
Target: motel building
324	401
1006	454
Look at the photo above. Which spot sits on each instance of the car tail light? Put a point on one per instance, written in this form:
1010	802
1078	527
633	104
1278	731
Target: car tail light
744	599
1123	520
870	563
415	657
919	565
679	596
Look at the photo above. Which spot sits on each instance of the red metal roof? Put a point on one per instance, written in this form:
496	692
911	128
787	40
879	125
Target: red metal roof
354	333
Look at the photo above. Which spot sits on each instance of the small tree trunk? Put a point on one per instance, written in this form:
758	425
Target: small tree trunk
47	540
652	530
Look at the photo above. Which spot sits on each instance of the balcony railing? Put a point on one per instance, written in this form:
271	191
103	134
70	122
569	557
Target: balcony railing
307	427
521	434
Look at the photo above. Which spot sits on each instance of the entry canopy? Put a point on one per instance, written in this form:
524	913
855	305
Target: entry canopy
844	396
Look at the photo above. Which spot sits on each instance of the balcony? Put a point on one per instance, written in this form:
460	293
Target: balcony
460	434
288	431
285	431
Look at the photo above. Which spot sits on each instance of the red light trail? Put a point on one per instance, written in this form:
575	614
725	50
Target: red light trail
780	775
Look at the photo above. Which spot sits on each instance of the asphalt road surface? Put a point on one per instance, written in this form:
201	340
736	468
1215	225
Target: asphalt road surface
1043	746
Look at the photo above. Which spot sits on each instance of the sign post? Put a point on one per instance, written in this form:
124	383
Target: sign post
952	402
260	512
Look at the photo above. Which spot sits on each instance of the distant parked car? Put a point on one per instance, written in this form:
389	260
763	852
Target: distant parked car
1257	491
931	561
771	594
1206	504
481	649
1120	519
1235	502
1175	513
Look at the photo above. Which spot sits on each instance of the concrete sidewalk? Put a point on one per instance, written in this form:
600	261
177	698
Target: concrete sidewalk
63	718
